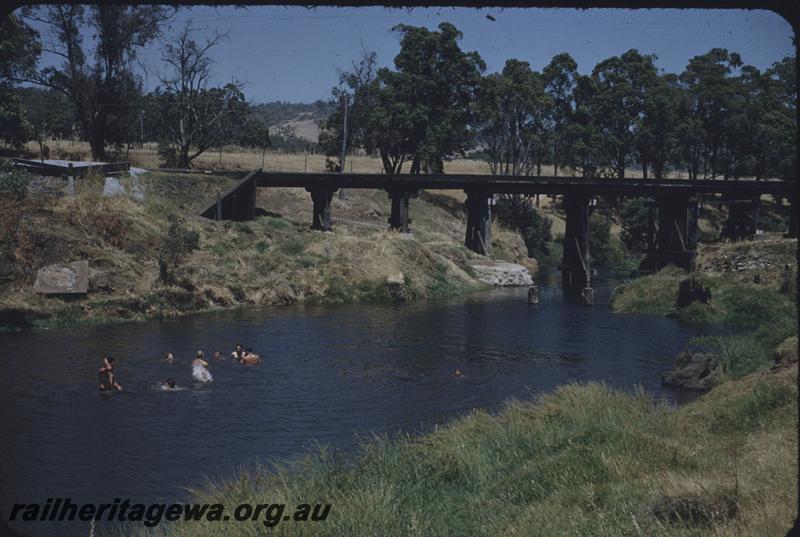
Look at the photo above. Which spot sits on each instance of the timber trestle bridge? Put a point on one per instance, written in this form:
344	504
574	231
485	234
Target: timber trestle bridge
673	205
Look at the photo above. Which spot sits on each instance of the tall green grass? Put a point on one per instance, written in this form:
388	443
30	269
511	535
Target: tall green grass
584	461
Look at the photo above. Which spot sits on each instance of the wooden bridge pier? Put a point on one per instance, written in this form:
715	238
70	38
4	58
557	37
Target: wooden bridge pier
398	218
321	217
674	239
479	221
742	219
576	262
792	232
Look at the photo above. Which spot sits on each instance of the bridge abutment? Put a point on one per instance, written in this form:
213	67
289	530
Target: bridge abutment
576	261
398	218
479	222
674	239
321	217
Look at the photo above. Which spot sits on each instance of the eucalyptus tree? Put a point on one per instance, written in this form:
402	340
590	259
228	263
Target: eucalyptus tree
583	133
778	126
19	50
97	74
711	95
196	117
621	84
427	98
560	80
657	138
512	114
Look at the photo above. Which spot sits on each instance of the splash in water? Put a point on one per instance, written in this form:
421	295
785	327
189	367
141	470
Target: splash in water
201	374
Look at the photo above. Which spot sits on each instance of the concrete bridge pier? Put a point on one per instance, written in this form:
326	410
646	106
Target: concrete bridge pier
674	239
479	221
321	219
576	262
742	219
398	219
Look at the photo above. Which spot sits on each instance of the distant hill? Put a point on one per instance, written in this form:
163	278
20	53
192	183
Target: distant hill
279	112
293	121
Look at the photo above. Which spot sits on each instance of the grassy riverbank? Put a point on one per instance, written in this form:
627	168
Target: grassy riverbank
753	288
584	460
274	259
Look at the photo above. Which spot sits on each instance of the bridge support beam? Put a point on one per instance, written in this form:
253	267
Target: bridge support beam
742	219
576	261
398	218
674	239
479	222
321	218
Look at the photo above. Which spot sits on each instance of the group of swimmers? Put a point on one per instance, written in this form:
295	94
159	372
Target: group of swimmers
200	370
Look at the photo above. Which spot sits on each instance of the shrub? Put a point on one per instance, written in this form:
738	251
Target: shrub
516	213
633	214
14	182
176	244
600	239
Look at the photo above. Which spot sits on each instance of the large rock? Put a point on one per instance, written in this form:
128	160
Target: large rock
113	188
396	285
692	370
503	274
786	353
63	278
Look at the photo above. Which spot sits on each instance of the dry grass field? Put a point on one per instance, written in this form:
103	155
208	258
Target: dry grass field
238	158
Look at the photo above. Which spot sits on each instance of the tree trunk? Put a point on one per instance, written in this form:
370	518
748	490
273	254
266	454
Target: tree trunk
414	166
97	143
183	157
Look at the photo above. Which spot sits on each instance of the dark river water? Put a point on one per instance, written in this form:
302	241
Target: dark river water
330	374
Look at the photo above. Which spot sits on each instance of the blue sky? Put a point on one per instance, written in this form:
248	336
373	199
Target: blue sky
293	53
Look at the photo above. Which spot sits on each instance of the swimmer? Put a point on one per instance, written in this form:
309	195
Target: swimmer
250	358
217	355
238	353
199	371
458	373
169	358
106	375
169	385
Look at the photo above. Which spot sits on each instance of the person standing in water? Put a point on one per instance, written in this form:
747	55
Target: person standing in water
238	353
199	369
106	375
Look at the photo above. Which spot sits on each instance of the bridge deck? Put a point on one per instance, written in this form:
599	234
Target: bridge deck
500	184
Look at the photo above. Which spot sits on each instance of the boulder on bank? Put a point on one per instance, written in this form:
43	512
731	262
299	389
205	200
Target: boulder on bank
786	353
694	371
503	274
63	278
396	284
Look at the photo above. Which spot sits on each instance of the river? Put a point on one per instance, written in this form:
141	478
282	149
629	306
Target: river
330	374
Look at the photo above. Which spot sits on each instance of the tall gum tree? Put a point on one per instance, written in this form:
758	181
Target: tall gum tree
97	76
